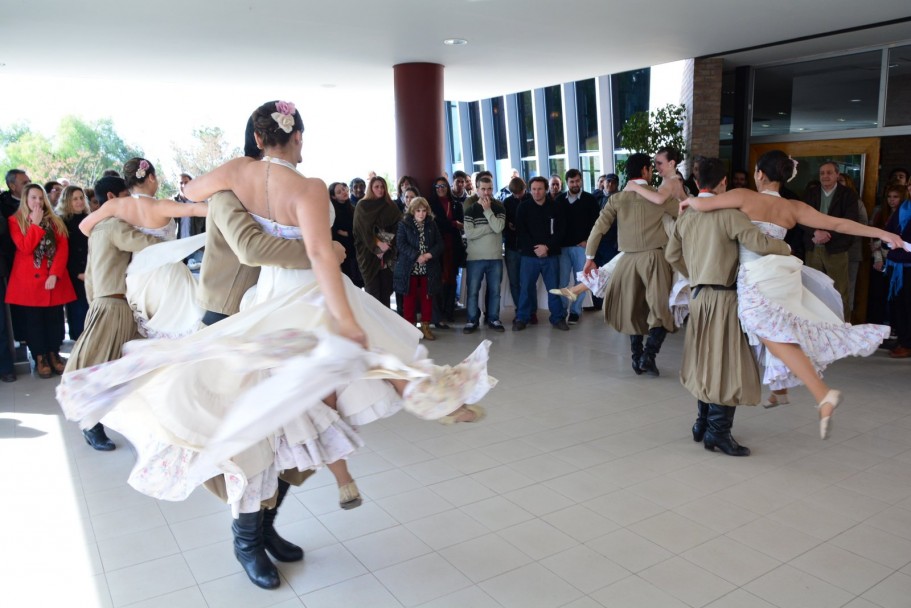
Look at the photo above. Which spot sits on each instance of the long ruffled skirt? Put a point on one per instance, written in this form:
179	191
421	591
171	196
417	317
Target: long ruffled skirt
774	305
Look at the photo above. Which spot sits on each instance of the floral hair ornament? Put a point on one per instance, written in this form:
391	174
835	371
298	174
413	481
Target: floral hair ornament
284	115
794	171
143	169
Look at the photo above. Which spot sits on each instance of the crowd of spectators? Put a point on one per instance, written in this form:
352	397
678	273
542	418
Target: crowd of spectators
464	233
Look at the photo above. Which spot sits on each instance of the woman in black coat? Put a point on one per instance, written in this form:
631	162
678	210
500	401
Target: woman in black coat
417	267
74	209
449	217
343	229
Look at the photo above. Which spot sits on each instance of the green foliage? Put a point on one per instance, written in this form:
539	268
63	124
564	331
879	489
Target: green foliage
79	151
649	131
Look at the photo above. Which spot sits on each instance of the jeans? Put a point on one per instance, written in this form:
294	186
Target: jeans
572	260
493	271
77	309
513	263
531	268
836	266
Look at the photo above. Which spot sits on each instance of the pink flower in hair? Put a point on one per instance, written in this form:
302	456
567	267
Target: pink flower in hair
143	169
285	107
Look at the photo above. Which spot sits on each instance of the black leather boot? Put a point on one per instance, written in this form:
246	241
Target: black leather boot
656	337
718	435
701	420
249	549
277	546
635	345
98	439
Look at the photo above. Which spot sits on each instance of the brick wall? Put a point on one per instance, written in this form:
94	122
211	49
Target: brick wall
701	93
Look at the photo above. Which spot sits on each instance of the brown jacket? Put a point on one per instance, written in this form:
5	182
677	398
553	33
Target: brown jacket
703	247
236	246
111	247
640	225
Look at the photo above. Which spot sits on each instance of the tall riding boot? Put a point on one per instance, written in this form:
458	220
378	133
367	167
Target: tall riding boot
249	550
652	346
277	546
701	420
635	346
718	435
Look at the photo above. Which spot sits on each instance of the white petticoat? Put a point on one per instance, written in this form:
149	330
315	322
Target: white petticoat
245	395
773	304
161	290
679	300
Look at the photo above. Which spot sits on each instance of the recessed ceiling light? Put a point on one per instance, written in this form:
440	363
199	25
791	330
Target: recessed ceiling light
802	129
856	100
839	120
766	126
782	113
455	42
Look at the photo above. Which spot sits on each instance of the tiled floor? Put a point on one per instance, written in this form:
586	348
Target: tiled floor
582	488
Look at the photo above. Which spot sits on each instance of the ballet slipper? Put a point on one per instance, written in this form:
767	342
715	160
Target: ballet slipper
348	496
774	400
566	292
477	413
832	398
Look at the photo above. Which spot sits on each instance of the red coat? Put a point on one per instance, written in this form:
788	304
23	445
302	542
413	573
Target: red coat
26	283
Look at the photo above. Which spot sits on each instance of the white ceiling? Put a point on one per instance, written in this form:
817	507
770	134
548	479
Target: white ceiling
352	45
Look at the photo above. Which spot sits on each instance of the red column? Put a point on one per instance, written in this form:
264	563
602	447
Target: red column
419	123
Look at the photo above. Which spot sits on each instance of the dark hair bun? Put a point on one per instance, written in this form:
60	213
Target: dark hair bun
136	171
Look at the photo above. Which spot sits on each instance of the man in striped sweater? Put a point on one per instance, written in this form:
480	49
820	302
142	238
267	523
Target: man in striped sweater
485	218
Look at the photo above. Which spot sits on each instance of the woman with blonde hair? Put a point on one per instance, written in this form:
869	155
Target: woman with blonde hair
74	209
417	268
39	282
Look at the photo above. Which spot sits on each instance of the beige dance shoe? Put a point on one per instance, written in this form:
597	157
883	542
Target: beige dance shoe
566	292
476	412
348	496
833	398
774	400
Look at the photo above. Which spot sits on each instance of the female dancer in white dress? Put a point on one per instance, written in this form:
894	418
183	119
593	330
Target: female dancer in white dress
801	335
160	288
247	397
666	161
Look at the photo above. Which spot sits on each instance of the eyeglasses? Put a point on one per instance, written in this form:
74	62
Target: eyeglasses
441	186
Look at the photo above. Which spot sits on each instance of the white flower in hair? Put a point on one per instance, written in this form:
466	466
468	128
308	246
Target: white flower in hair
285	121
794	172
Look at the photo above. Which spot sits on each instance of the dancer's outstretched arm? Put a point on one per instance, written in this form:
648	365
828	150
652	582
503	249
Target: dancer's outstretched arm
739	198
162	209
656	197
109	209
808	216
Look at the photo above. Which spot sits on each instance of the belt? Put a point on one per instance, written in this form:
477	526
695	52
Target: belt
118	296
699	288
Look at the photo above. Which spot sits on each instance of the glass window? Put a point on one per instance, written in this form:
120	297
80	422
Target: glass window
529	169
455	133
590	166
587	115
526	114
728	106
898	108
504	173
629	94
553	109
474	123
558	167
499	127
831	94
808	171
